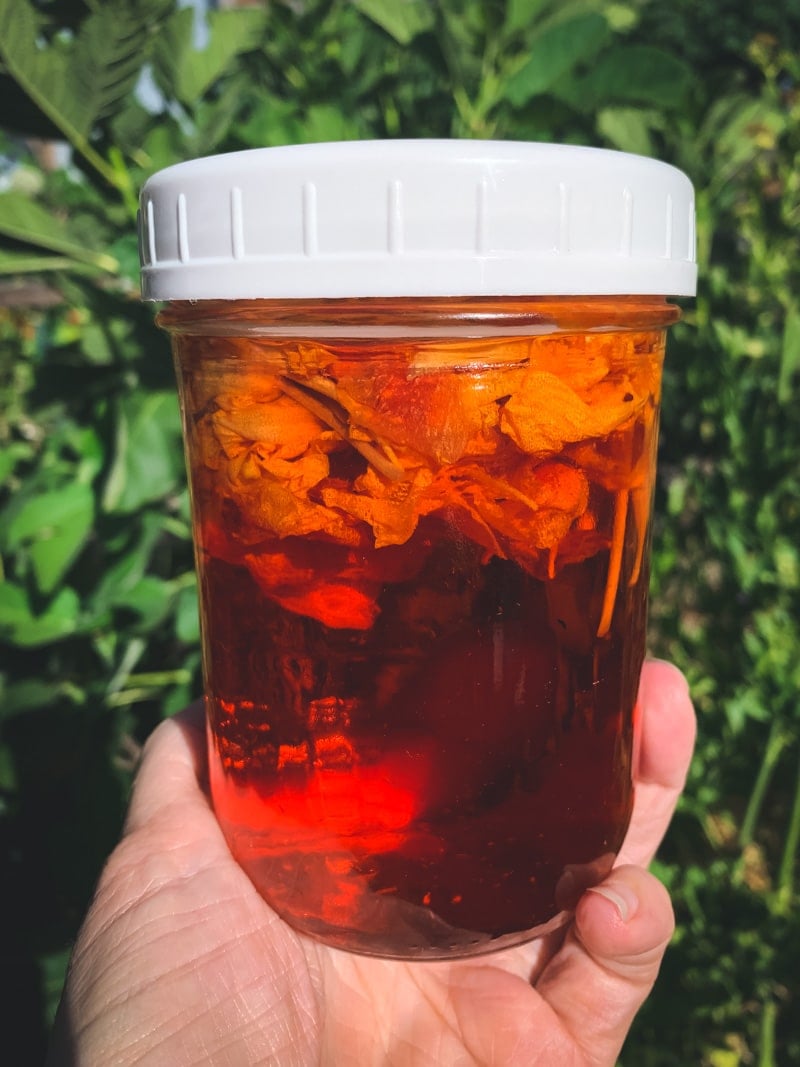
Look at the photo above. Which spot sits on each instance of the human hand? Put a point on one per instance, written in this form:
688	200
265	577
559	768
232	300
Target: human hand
180	962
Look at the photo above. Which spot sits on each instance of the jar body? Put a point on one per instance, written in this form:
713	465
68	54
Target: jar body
422	535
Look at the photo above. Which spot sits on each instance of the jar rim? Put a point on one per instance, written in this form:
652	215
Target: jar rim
404	317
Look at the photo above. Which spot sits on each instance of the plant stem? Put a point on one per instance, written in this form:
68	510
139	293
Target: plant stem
159	679
769	1017
785	891
77	139
123	181
125	697
130	657
776	743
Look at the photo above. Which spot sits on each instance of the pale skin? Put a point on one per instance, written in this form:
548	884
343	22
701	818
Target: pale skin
180	962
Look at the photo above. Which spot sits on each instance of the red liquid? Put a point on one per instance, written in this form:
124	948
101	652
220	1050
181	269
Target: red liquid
423	748
444	815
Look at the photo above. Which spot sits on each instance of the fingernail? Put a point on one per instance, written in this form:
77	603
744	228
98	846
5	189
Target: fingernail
624	899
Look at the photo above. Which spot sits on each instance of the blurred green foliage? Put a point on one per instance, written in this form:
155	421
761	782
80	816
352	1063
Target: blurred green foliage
98	620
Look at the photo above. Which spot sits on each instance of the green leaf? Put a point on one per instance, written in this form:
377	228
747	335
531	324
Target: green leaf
752	128
148	461
555	54
189	73
402	19
42	71
163	144
150	599
19	262
324	122
21	627
53	971
42	512
215	117
787	564
628	128
76	82
89	446
108	55
9	777
26	220
105	339
461	37
522	14
125	251
271	121
790	354
187	617
127	571
638	73
622	17
130	127
31	694
54	526
745	705
11	455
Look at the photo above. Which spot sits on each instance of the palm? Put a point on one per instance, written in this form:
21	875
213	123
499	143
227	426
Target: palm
181	962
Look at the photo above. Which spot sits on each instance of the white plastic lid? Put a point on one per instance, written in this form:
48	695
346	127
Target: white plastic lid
417	218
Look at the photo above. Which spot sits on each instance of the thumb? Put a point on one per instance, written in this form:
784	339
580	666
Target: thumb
172	772
610	961
583	1004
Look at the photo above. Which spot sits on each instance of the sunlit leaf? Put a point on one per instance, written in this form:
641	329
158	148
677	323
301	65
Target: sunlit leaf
790	355
628	129
19	262
148	460
189	72
54	526
187	618
21	626
76	81
521	14
149	599
23	219
402	19
555	53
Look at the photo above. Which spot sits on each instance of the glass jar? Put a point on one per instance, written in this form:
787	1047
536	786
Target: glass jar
422	523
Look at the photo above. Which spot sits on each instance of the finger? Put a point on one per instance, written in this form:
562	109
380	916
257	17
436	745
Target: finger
586	998
172	770
666	742
668	725
609	962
